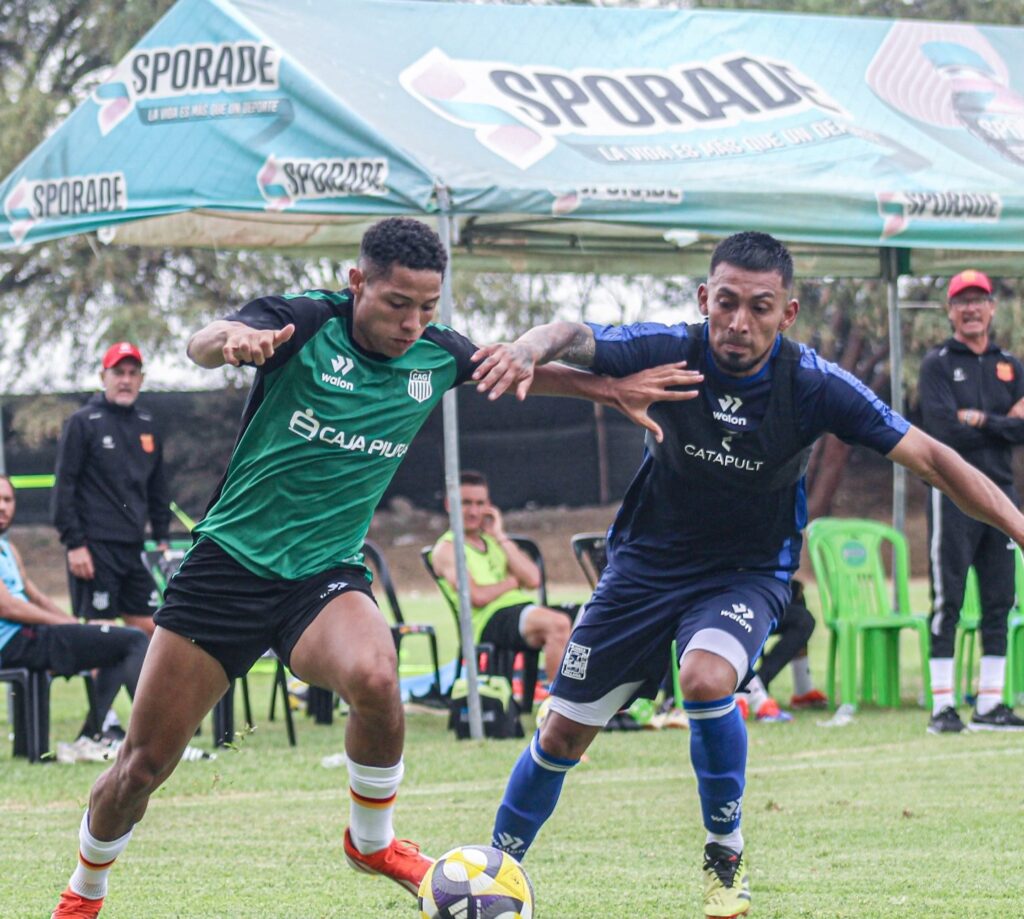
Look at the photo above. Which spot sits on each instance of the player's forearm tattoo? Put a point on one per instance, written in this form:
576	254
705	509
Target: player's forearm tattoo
580	349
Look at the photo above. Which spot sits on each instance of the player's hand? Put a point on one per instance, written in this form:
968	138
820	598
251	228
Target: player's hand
254	346
635	394
1017	410
503	367
80	563
493	523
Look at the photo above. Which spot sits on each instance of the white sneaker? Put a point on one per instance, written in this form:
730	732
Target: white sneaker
188	755
84	750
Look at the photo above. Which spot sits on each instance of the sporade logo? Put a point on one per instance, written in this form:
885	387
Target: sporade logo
185	70
33	200
517	112
282	182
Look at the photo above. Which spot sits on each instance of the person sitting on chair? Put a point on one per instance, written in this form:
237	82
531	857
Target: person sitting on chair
500	574
35	633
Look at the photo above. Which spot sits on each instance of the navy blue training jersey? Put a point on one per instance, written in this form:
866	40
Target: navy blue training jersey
725	490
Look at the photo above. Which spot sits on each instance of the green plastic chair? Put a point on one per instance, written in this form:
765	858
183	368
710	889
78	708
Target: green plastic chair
966	639
1014	686
856	604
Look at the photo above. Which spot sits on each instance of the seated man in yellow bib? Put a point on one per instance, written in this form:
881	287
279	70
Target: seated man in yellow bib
500	575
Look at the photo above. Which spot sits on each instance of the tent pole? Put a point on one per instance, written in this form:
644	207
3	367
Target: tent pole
891	271
450	409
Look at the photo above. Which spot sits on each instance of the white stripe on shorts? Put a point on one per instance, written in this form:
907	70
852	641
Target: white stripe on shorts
724	645
599	712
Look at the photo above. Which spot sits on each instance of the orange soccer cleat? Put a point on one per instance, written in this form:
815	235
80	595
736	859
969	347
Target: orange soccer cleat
815	698
401	861
73	906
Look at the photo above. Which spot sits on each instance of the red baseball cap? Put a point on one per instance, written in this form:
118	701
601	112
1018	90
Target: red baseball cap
123	350
966	279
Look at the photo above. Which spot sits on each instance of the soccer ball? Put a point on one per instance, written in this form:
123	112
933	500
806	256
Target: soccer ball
476	882
542	712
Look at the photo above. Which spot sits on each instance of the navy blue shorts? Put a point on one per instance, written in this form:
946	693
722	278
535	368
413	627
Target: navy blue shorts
625	632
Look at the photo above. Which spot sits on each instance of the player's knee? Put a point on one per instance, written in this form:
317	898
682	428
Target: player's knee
706	685
563	738
373	685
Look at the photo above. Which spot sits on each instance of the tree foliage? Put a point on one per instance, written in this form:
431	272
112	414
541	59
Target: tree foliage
74	296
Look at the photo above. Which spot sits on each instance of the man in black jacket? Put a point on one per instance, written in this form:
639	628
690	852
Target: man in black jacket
110	480
972	398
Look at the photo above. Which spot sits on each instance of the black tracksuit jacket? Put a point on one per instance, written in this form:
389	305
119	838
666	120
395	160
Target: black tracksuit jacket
110	476
954	377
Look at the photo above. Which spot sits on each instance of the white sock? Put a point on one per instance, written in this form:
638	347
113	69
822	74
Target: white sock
800	667
372	790
990	683
941	670
95	857
111	720
733	840
756	693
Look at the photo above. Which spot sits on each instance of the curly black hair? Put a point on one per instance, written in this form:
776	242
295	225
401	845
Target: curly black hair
755	251
401	241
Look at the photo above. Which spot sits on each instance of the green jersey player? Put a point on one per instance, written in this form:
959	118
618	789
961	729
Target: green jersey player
344	381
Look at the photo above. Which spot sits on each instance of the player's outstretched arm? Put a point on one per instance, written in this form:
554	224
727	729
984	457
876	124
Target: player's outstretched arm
971	490
506	366
632	395
225	342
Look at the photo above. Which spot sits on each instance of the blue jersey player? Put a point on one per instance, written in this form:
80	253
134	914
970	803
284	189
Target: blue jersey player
709	533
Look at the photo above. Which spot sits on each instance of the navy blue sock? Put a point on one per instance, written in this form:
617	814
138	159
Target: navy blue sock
530	798
718	750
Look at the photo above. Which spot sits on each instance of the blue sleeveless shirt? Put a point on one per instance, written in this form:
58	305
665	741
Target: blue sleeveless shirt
11	577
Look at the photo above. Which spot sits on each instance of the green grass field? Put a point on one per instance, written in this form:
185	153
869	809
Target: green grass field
875	819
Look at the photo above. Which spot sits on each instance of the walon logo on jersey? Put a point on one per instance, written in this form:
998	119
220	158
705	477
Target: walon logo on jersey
341	365
420	387
282	182
898	209
32	201
520	112
730	405
186	70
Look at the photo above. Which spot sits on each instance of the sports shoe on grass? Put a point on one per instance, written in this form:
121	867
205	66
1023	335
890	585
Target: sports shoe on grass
743	705
770	712
1001	718
83	750
726	885
401	861
813	699
72	906
189	755
946	721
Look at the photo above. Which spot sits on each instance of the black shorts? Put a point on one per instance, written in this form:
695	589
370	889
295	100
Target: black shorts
502	629
123	585
235	615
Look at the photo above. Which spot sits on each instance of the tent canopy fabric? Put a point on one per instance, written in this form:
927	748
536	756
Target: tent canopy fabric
563	138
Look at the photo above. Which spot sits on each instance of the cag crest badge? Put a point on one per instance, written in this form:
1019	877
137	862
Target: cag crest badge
420	387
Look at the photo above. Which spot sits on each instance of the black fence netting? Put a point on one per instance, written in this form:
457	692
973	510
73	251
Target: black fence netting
543	451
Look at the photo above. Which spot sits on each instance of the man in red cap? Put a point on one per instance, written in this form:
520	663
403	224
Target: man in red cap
972	398
110	480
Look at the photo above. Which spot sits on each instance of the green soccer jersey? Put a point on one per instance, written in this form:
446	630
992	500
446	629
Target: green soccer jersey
324	431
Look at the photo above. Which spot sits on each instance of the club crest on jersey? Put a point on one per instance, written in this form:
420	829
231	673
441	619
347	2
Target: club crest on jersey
1004	371
420	387
147	443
